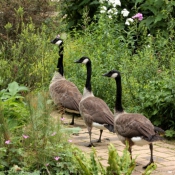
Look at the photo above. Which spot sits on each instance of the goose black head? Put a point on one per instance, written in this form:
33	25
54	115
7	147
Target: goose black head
112	74
83	60
57	40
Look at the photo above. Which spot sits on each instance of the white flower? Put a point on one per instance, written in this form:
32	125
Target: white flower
125	12
114	2
113	11
128	21
110	16
103	9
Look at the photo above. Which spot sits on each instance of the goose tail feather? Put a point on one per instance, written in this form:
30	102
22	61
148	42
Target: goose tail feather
154	138
110	128
159	130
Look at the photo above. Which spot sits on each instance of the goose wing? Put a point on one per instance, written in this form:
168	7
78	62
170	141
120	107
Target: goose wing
133	125
94	109
66	93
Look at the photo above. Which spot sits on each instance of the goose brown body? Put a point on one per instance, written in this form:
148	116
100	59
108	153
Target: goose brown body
132	127
94	110
64	93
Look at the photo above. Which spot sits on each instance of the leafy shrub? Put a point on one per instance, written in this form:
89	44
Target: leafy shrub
116	164
73	11
41	144
158	15
13	107
109	49
28	61
15	13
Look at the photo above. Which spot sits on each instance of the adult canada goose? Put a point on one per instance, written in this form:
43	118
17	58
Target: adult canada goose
94	111
63	92
135	128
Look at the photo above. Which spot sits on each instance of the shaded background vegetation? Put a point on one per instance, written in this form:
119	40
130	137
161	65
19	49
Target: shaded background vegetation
146	63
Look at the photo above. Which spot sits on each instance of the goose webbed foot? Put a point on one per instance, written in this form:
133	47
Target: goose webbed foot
90	145
144	167
99	141
72	123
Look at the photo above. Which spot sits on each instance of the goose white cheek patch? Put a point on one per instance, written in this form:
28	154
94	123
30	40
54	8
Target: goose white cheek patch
114	75
58	42
85	61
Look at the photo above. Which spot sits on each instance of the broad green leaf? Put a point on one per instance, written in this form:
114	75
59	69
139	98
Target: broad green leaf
13	88
159	17
23	88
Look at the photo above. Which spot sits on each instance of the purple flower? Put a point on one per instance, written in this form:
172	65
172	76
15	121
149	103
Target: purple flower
62	119
139	16
25	136
56	158
7	142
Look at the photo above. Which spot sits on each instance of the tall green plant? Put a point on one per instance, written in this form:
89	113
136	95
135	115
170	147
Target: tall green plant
117	165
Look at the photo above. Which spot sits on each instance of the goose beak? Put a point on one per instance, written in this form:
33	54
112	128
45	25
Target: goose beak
78	61
106	75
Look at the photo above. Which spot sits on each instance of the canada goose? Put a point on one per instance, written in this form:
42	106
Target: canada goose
63	92
135	128
94	111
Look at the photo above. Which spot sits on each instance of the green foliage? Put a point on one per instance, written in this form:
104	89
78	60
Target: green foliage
73	11
158	15
23	63
159	107
14	13
109	49
117	165
40	144
13	107
12	91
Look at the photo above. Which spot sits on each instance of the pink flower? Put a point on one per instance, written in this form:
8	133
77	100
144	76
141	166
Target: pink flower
69	140
139	16
57	158
7	142
62	119
47	164
25	136
54	133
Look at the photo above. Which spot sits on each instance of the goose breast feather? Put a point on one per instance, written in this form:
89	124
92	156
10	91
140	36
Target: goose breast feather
66	93
133	125
94	109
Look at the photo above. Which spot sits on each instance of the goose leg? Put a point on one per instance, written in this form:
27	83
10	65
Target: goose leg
90	144
151	158
72	122
130	151
101	131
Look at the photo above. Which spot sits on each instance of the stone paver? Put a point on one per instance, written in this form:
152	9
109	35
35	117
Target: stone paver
164	152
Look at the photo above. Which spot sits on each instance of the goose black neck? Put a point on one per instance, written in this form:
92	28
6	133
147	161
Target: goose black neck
88	78
118	103
60	60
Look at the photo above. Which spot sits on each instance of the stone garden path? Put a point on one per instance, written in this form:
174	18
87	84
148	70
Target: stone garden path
164	152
